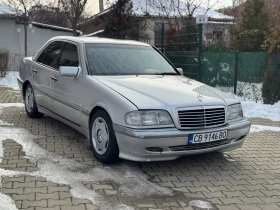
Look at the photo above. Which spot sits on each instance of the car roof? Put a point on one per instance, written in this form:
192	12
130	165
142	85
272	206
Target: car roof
97	40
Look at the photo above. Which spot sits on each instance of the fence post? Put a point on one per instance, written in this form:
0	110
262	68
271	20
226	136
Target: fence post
162	37
236	72
200	53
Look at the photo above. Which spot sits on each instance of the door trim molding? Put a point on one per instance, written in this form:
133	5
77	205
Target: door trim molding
60	115
67	103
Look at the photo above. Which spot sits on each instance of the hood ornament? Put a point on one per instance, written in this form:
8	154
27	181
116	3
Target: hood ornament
199	96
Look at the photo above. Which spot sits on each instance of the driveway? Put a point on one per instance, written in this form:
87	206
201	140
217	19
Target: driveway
48	165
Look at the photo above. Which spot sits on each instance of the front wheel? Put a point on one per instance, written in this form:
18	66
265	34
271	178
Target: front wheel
102	137
30	103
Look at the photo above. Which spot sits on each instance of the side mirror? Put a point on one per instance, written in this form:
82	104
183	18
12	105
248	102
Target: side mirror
68	71
181	71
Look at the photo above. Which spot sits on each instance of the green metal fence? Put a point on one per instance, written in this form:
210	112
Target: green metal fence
251	66
182	45
220	69
188	61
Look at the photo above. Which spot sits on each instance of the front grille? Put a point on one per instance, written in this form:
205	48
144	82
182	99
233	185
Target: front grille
201	118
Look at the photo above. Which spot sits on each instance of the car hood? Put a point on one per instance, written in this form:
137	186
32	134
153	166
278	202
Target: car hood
160	92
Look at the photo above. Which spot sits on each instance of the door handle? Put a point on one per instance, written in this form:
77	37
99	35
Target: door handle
54	79
35	71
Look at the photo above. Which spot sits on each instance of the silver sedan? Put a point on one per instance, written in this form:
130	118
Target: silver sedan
129	100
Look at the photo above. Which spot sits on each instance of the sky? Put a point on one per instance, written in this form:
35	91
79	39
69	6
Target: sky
93	5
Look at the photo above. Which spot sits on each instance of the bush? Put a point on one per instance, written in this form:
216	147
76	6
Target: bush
218	69
271	82
4	59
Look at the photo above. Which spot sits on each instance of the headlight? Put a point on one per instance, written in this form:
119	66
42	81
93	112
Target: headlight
234	112
148	118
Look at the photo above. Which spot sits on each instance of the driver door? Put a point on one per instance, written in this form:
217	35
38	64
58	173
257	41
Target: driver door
42	70
66	90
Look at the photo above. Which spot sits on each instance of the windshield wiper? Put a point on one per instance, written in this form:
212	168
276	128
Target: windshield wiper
167	73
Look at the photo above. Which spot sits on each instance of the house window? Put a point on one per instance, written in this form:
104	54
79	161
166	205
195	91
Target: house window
158	33
218	36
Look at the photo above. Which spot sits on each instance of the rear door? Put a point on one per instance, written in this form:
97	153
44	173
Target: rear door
42	70
66	90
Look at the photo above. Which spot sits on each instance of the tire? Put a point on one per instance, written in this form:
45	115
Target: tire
31	108
102	138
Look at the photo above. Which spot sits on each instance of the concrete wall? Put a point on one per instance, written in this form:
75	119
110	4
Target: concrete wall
8	37
13	40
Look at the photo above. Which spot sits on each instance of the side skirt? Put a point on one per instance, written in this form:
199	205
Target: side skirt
54	115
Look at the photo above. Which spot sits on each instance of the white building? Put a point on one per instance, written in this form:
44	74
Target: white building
236	3
12	35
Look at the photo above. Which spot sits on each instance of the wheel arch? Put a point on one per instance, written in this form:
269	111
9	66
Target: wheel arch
94	110
114	150
24	86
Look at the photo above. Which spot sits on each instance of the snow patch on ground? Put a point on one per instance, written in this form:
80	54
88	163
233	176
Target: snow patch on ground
253	110
7	203
4	105
201	204
250	95
58	169
10	80
5	124
245	91
261	128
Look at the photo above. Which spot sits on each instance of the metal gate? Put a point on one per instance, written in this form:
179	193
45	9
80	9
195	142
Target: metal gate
182	45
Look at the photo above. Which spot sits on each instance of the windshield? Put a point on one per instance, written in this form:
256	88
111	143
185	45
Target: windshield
113	59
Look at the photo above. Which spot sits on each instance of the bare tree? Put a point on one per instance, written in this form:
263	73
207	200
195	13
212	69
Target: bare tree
49	14
177	8
74	10
23	7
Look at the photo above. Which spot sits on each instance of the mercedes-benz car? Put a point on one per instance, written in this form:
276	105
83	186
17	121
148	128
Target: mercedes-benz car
129	100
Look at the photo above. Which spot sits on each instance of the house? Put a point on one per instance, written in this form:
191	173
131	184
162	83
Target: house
151	14
12	32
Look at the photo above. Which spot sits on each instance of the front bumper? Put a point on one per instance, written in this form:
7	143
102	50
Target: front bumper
133	143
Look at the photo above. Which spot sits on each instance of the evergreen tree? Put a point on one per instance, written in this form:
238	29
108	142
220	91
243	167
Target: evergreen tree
254	16
273	43
271	83
251	32
120	23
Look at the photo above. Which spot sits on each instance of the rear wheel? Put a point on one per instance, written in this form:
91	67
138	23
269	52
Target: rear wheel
102	137
30	103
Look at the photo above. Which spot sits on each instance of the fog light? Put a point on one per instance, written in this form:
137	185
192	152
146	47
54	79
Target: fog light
154	149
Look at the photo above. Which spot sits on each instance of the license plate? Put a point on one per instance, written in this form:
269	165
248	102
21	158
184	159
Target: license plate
207	137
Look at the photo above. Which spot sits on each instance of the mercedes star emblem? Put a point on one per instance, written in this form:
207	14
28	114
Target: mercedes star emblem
199	96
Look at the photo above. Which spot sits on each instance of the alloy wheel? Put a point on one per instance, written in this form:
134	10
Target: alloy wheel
100	135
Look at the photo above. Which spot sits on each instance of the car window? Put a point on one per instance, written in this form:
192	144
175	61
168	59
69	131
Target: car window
53	54
69	56
42	56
